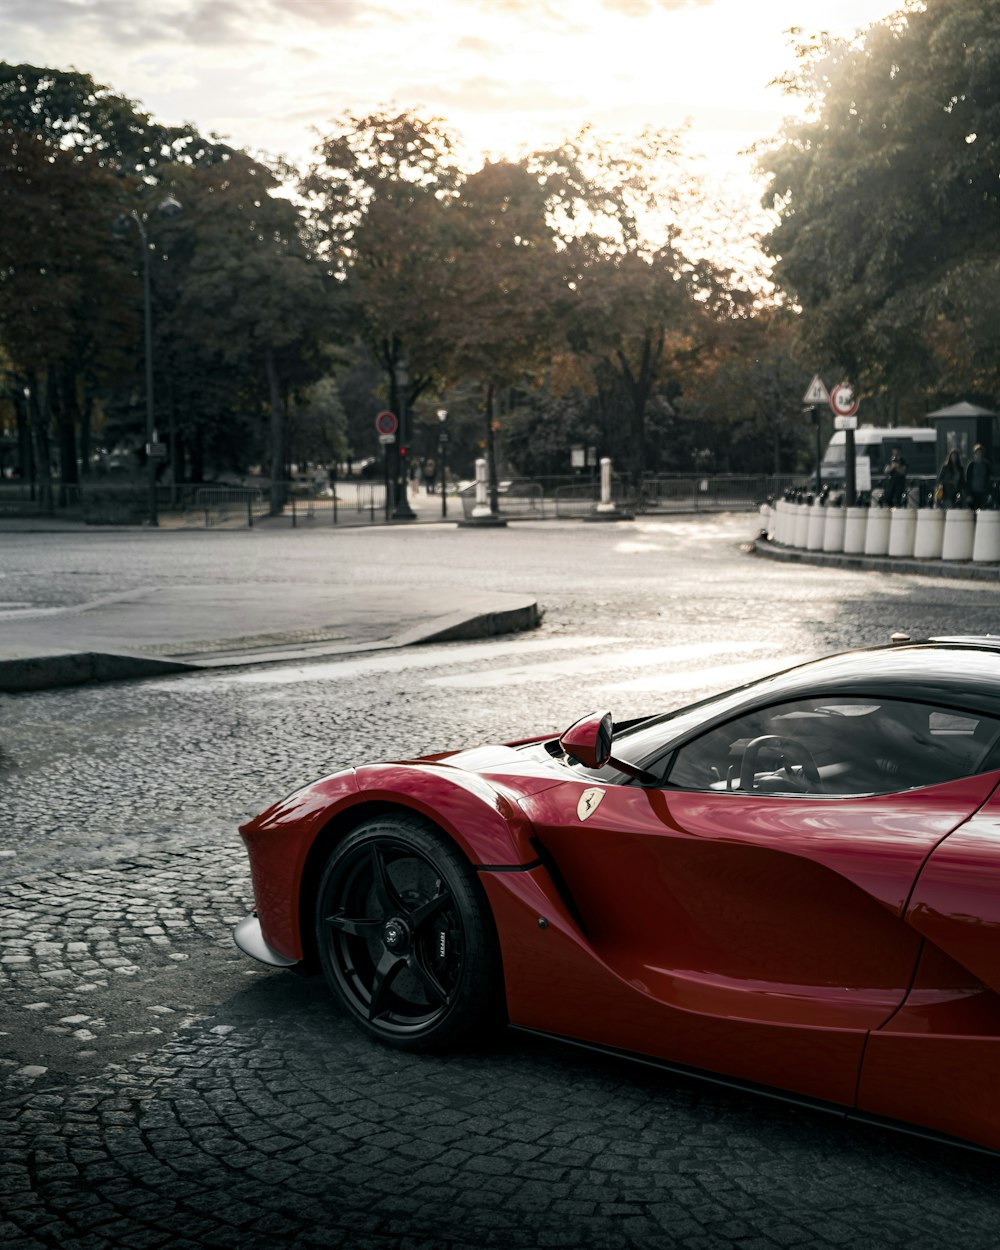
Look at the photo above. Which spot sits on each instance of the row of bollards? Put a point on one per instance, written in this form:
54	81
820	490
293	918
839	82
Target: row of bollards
918	533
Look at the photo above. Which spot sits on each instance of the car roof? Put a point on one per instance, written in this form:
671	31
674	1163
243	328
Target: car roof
958	671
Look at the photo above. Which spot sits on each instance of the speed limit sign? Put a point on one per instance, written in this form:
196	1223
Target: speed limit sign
843	401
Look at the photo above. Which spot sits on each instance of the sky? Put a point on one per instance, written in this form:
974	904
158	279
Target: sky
505	75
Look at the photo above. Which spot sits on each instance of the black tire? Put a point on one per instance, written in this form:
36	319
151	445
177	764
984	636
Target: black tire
405	936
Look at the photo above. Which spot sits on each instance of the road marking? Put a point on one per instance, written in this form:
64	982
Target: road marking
439	656
676	669
717	677
659	665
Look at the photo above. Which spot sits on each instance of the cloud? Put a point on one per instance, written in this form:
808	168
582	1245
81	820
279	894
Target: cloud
206	23
116	21
565	10
643	8
472	43
482	94
527	8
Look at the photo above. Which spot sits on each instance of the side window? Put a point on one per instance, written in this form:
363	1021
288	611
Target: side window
838	745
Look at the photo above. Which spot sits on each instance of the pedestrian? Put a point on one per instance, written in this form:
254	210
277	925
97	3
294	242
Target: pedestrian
894	484
978	478
950	481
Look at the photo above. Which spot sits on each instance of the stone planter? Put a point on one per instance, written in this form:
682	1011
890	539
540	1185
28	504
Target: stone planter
801	531
833	534
817	524
929	533
902	530
986	544
959	534
855	528
877	532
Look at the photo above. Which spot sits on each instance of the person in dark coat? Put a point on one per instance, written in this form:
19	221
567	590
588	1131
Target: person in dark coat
978	478
950	481
894	485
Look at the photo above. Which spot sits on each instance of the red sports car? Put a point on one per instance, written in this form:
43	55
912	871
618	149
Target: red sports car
795	885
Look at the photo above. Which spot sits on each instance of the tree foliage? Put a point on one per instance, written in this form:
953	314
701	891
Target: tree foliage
239	303
887	200
553	300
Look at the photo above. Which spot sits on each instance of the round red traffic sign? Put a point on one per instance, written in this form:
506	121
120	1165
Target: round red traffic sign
843	401
386	423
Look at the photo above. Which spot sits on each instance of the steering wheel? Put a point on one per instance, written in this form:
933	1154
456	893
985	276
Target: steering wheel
791	754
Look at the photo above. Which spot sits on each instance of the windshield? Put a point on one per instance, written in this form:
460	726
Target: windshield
834	454
642	745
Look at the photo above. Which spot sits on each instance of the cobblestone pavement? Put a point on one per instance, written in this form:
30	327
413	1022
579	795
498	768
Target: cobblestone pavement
159	1090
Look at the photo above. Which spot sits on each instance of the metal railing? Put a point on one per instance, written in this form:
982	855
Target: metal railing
221	504
662	493
520	497
100	502
578	499
363	500
300	503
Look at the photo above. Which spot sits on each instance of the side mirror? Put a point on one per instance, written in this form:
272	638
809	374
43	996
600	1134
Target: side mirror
589	740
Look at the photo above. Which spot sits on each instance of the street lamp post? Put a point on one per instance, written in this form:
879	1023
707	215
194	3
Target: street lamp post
30	443
168	208
442	416
403	511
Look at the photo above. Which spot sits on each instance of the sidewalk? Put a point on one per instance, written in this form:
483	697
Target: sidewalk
958	569
151	631
426	507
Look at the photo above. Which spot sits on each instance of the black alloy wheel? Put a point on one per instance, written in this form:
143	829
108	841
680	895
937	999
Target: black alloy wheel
405	935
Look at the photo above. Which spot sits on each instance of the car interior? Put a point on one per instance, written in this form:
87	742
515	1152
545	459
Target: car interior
838	746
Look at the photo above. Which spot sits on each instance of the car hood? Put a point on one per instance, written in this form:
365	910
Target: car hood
526	769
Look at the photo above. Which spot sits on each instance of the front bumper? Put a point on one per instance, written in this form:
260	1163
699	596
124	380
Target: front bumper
248	937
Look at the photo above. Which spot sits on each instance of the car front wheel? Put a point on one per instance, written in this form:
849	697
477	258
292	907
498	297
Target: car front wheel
405	936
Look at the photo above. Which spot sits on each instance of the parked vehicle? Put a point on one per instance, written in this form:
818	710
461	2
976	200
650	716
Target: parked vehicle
795	884
917	446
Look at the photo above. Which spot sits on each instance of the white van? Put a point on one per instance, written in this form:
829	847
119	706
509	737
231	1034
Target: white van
916	445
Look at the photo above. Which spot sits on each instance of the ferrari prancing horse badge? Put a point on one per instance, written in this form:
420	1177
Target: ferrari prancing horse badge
589	802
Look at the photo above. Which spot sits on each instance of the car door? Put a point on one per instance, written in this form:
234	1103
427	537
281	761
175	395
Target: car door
758	911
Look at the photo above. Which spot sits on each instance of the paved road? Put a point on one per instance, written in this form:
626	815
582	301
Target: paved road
159	1090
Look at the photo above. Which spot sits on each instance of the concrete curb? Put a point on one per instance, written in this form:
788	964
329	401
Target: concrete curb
51	669
879	564
74	668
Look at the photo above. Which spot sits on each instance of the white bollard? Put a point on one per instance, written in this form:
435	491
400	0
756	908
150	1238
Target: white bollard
877	532
777	520
482	506
929	533
833	534
902	530
606	504
855	528
986	544
817	523
767	519
785	521
959	527
801	532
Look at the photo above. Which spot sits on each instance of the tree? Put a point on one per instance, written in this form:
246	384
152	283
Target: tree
543	427
69	111
318	424
377	194
56	264
742	403
73	157
887	200
251	297
635	295
501	304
